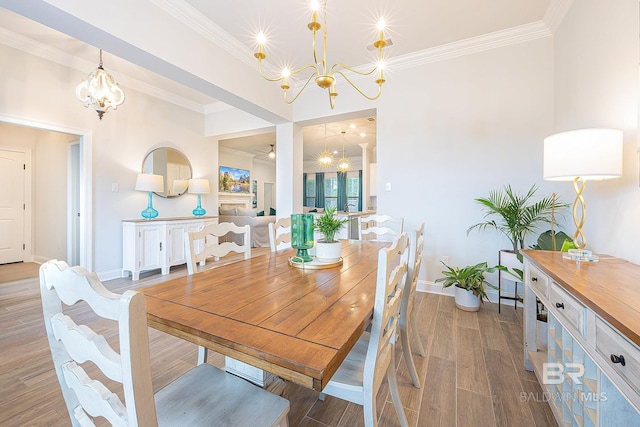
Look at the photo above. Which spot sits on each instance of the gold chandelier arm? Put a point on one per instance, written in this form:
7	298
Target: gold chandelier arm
300	91
264	76
353	70
299	70
371	98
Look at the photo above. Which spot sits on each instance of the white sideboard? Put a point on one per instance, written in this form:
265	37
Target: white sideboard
589	365
156	243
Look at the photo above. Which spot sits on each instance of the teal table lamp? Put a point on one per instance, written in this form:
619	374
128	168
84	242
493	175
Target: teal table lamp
199	186
150	183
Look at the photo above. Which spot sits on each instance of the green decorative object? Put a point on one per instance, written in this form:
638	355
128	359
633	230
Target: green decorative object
302	236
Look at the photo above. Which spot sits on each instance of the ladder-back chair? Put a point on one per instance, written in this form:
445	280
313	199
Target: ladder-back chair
280	234
408	325
360	375
209	238
205	395
379	227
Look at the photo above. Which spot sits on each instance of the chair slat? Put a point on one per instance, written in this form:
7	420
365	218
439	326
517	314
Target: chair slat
83	344
95	398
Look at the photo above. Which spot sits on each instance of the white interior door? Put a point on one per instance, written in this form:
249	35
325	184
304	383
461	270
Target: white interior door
12	206
73	204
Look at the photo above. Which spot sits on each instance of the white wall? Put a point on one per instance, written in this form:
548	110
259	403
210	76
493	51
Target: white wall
40	90
596	81
471	125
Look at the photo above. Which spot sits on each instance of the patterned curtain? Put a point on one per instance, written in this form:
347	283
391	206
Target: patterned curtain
342	190
319	189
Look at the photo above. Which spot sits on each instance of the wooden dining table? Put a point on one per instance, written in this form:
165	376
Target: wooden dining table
298	324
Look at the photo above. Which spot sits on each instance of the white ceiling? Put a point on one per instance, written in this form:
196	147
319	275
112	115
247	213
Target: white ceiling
413	25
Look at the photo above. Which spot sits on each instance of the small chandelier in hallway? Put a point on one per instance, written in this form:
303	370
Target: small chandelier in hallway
100	91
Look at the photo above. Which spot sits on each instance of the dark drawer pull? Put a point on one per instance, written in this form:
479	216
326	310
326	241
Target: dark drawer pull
534	279
560	305
618	359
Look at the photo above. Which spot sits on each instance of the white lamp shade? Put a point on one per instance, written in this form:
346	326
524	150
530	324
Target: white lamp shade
150	182
199	186
591	154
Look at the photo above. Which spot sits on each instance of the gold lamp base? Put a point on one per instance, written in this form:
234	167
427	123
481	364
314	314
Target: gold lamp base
579	215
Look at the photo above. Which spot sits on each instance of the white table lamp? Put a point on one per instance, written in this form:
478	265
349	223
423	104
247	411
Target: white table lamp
199	186
580	156
150	183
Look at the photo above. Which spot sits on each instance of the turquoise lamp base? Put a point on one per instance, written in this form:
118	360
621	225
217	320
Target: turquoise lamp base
150	212
199	211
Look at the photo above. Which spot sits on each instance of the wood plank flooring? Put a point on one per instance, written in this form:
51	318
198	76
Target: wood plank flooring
473	374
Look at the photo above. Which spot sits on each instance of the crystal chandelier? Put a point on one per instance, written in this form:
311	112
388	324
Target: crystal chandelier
324	78
100	91
343	164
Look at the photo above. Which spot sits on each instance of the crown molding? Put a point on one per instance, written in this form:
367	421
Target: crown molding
192	18
556	12
510	36
50	53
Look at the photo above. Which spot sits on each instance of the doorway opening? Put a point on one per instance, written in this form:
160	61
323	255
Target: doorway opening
81	244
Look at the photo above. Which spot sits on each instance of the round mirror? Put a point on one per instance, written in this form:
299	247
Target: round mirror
173	166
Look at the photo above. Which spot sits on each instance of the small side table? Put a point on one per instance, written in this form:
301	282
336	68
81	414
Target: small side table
515	298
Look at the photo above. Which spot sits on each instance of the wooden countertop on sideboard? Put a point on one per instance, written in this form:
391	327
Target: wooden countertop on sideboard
610	287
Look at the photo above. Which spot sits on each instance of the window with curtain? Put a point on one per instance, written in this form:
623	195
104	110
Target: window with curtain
310	190
331	190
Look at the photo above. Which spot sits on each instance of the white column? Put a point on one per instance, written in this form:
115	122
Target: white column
288	169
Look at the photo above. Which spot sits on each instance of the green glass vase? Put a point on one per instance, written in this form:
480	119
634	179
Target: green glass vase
302	236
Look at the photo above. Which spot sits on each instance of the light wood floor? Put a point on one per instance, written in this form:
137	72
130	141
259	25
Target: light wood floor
473	374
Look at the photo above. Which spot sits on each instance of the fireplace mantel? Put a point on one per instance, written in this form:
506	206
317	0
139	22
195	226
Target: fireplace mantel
235	199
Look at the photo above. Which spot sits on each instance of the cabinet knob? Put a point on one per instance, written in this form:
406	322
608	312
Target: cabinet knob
618	359
534	279
560	305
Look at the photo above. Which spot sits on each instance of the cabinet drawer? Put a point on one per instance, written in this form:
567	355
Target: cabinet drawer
568	309
538	281
611	344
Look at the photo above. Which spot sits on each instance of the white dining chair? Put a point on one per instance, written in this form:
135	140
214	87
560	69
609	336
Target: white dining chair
280	234
408	325
206	243
360	375
204	396
379	227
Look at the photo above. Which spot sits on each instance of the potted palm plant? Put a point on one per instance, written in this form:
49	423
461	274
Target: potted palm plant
516	215
328	249
470	283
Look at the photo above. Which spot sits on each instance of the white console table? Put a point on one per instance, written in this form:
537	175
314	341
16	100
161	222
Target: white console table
157	243
589	366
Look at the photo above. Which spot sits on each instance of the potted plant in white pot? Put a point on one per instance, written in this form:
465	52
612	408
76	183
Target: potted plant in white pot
328	249
470	284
